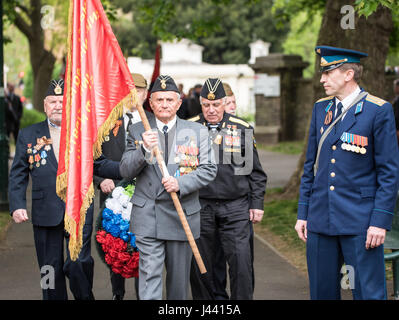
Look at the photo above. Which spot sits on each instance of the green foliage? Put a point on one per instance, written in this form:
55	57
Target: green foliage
224	27
286	147
28	81
302	39
129	190
30	117
280	217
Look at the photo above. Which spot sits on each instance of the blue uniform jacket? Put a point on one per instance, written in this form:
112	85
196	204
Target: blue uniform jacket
351	191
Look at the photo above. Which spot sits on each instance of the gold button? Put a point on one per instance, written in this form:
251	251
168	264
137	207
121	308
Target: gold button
334	147
332	160
332	188
332	174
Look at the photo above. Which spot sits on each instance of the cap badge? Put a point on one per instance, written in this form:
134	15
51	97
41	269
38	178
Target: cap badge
57	89
212	89
163	80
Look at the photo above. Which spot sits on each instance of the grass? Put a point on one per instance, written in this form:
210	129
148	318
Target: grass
277	226
285	147
5	220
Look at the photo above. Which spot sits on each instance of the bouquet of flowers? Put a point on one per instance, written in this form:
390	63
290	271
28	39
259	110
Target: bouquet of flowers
116	245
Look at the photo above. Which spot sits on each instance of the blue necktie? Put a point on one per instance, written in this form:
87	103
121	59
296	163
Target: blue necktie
339	111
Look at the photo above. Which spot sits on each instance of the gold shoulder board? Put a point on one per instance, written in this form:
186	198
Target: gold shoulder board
194	118
242	122
324	99
375	100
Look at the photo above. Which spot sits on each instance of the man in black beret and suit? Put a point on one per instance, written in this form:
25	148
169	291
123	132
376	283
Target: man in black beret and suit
36	155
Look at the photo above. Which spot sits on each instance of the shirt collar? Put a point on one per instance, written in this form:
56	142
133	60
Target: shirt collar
346	102
53	125
170	124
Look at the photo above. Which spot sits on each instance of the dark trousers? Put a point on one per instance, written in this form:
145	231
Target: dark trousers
220	268
326	255
49	243
228	220
118	284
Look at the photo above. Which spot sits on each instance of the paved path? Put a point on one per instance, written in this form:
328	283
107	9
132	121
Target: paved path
275	277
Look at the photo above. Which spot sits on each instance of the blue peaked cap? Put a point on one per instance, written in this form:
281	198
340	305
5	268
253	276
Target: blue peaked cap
332	57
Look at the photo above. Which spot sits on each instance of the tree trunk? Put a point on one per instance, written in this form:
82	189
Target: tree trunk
370	35
42	70
42	61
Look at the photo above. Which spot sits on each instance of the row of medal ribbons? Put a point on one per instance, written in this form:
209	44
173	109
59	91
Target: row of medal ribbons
353	142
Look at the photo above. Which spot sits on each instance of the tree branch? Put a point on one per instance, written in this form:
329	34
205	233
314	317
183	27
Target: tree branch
23	26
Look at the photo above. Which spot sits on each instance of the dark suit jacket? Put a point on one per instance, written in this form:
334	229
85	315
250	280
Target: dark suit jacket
112	150
47	208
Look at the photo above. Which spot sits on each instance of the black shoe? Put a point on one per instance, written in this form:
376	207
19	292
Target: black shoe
117	297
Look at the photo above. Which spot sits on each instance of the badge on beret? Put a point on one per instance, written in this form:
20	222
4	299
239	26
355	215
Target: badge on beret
163	80
212	89
58	89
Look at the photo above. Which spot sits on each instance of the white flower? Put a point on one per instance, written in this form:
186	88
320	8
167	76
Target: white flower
118	192
124	200
114	205
127	211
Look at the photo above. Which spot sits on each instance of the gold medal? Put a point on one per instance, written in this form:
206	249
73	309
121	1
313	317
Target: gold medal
357	149
363	150
29	150
211	96
353	148
218	139
343	146
182	169
38	164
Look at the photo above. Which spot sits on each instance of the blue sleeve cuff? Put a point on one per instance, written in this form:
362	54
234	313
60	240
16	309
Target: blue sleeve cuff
382	219
303	210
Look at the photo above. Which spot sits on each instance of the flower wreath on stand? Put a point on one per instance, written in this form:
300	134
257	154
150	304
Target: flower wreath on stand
115	244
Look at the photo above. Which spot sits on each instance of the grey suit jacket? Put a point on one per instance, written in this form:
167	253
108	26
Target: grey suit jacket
153	212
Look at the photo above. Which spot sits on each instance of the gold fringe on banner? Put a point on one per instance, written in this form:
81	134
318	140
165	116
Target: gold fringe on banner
128	102
62	179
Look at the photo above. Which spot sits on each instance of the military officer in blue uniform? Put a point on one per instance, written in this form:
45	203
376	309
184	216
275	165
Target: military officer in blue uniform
36	155
349	184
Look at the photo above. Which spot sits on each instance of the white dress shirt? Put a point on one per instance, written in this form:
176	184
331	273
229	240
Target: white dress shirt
346	102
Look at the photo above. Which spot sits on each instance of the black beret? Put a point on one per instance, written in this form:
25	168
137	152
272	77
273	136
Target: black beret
213	89
56	88
164	83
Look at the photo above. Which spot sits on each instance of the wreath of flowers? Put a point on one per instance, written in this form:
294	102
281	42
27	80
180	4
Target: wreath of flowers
115	243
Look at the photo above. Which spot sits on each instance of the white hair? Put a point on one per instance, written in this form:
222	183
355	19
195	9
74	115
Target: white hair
177	93
223	100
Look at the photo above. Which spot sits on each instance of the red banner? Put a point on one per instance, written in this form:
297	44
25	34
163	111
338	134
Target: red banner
98	84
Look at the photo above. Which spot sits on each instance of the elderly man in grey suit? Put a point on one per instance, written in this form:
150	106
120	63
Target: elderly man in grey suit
160	237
